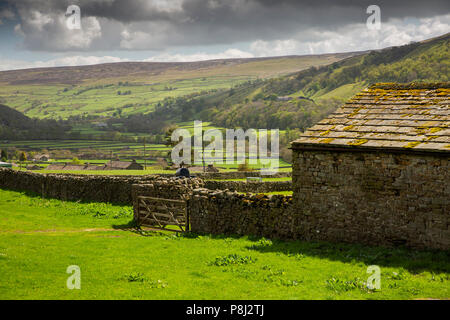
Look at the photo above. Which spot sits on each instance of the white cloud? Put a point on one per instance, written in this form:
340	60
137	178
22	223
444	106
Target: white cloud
275	48
10	64
355	37
49	31
201	56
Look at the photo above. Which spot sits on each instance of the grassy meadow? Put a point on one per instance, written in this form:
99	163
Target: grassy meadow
86	93
40	238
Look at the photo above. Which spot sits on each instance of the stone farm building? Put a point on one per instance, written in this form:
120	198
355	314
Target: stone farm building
123	165
377	170
112	165
41	157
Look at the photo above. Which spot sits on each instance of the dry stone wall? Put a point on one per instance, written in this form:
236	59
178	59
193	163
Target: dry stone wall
373	197
97	188
225	212
239	175
255	187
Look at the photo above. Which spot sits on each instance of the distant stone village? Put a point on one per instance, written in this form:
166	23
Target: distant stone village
111	165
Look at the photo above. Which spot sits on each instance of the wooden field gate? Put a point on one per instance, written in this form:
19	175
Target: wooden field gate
158	213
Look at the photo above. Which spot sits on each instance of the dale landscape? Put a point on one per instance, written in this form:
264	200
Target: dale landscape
63	128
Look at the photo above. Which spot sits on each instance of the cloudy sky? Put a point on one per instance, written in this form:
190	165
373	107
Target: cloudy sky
34	33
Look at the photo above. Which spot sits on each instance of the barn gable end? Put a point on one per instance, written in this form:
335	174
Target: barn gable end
376	171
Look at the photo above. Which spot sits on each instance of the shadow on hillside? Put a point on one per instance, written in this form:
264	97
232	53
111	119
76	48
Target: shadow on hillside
414	261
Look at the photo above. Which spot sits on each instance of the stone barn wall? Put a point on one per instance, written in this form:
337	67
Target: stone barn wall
373	197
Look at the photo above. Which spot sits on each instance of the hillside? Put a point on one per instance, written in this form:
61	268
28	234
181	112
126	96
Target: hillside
299	100
15	126
148	72
137	99
135	87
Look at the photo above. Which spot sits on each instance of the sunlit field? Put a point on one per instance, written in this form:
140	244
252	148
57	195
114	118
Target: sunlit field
40	238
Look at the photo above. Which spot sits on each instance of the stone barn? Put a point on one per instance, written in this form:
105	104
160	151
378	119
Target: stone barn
377	170
123	165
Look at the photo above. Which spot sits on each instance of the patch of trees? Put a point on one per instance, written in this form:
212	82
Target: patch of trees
413	62
300	114
100	86
16	126
144	123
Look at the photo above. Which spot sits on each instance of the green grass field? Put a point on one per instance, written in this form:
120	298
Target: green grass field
40	238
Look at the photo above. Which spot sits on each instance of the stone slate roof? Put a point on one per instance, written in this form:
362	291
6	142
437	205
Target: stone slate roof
73	167
118	164
55	166
405	117
122	165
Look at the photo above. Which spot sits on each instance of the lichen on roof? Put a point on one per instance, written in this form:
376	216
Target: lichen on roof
413	116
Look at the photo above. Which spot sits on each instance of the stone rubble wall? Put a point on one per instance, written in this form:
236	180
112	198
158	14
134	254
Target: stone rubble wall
244	186
373	197
225	212
239	174
96	188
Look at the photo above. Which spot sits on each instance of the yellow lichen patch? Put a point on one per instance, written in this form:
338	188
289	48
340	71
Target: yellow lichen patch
431	137
357	142
424	130
435	129
348	128
328	140
327	131
412	144
447	146
443	92
354	113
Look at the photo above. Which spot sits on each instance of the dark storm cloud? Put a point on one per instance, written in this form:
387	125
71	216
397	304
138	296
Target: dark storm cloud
206	11
138	24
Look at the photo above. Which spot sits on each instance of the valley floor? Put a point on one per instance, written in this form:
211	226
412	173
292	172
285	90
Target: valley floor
40	238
